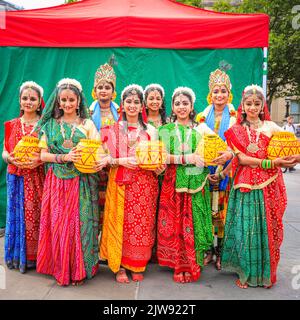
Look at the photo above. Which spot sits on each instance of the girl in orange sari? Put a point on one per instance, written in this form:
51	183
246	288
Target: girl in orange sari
130	208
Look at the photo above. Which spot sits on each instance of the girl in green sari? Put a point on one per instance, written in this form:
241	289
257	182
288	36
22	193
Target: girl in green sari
184	218
69	225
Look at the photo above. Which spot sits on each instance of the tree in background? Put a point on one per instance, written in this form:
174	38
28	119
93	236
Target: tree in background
70	1
194	3
284	41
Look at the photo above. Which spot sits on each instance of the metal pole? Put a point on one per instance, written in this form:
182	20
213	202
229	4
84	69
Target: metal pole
265	70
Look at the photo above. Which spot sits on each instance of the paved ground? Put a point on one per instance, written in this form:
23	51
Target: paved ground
158	282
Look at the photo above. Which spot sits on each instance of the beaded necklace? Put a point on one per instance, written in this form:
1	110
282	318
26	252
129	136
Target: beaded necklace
27	124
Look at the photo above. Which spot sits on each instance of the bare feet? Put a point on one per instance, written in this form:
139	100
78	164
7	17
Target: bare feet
121	276
268	287
137	276
187	277
240	285
209	258
218	263
178	277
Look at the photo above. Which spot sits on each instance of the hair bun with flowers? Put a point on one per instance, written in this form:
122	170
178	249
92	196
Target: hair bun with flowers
154	86
69	81
32	84
254	87
185	90
132	87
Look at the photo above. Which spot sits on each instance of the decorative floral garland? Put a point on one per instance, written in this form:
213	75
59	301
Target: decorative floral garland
201	117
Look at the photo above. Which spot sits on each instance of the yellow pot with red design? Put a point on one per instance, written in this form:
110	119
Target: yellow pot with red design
209	148
90	151
283	144
25	149
150	155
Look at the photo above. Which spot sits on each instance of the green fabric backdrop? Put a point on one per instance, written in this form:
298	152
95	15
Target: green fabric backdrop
171	68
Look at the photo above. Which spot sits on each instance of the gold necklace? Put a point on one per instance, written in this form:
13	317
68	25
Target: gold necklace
68	143
252	146
255	124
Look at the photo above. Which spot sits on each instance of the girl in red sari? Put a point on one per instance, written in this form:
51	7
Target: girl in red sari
254	228
129	216
24	184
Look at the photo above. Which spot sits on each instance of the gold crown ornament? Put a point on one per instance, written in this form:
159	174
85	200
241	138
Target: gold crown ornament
219	78
105	73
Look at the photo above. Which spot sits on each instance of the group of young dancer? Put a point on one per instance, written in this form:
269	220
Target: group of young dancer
62	221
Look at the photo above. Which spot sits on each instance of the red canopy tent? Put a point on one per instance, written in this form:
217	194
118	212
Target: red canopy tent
153	41
133	23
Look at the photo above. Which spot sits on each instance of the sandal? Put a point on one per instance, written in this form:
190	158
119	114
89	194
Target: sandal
187	277
77	283
9	265
208	258
137	276
31	264
179	277
240	285
121	276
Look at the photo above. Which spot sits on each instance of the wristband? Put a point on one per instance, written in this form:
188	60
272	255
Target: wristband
221	175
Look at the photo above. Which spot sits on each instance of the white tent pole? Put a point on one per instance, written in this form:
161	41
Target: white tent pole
265	70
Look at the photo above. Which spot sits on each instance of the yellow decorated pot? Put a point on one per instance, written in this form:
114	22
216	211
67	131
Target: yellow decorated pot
25	148
283	144
209	146
90	151
151	154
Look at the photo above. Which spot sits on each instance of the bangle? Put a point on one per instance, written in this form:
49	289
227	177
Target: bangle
183	159
113	162
5	158
260	165
267	164
58	158
232	153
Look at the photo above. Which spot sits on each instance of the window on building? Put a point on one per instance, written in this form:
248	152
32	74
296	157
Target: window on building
295	110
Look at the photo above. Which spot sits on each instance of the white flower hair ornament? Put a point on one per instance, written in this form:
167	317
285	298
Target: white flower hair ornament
132	87
254	87
184	90
155	86
32	84
68	81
